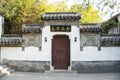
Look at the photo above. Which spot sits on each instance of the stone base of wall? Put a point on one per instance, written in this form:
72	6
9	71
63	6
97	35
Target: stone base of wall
28	66
79	66
96	66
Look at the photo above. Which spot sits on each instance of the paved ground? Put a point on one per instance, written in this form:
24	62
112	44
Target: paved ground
62	76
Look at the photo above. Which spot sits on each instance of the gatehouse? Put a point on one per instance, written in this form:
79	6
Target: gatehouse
60	42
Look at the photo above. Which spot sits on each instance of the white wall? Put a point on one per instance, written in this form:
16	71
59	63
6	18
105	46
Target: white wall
1	23
88	53
92	54
16	53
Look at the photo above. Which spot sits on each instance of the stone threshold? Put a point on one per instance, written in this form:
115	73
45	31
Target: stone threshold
60	71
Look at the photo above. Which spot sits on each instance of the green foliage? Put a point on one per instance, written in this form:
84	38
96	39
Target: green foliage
109	24
61	7
17	12
88	15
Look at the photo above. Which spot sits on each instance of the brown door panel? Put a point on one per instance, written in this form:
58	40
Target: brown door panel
61	52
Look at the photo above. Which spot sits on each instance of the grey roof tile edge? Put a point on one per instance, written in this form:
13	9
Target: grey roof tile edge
10	41
60	16
90	28
30	28
110	40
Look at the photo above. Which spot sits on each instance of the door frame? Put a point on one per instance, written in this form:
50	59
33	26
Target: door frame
52	67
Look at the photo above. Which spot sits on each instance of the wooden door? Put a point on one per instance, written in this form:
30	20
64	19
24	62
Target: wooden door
60	52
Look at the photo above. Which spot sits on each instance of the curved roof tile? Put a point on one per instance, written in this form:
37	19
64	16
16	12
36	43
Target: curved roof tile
31	28
60	16
110	40
90	28
10	40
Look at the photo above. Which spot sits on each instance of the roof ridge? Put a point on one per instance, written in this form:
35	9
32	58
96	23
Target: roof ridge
61	13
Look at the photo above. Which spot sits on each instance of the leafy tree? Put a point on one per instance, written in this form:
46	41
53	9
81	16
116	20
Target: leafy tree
61	7
88	15
107	8
113	22
17	12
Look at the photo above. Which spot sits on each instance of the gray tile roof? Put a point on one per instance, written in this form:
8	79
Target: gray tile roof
31	28
110	40
60	16
90	28
10	41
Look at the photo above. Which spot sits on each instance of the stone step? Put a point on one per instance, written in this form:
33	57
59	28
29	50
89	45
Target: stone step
6	70
11	70
60	71
2	67
2	74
